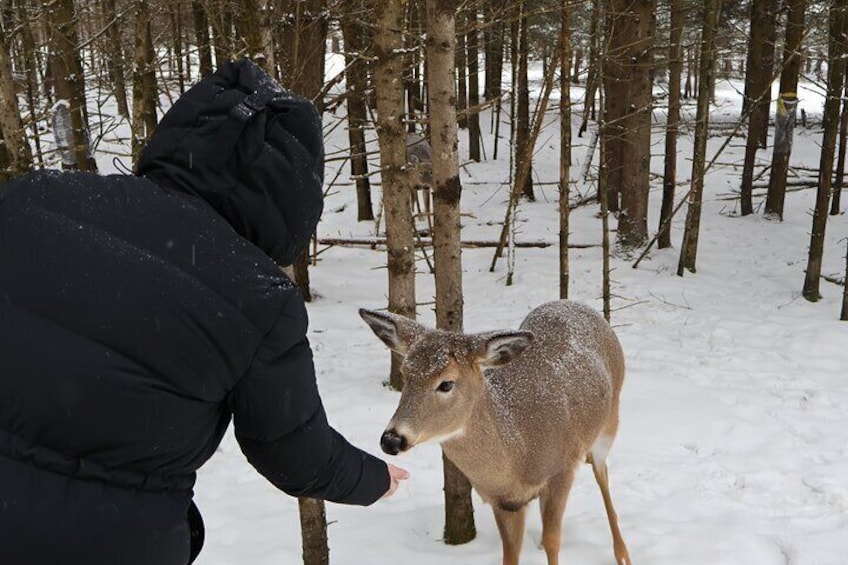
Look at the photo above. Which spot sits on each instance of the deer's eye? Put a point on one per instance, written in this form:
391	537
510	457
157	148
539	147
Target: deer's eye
445	386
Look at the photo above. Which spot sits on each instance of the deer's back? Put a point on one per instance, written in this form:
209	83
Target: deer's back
552	401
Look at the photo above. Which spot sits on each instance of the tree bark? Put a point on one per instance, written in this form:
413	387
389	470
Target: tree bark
32	68
144	82
115	57
441	45
249	42
397	194
522	128
839	180
412	67
786	108
461	72
12	130
356	43
201	33
592	77
630	102
176	18
472	44
614	82
675	69
493	33
564	143
689	248
313	531
757	91
69	78
844	313
302	46
835	84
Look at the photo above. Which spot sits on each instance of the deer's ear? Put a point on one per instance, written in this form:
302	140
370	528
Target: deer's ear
397	332
499	348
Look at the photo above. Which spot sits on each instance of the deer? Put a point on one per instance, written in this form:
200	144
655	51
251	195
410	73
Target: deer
515	411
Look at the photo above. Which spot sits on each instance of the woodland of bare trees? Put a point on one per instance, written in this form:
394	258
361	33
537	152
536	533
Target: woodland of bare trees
84	82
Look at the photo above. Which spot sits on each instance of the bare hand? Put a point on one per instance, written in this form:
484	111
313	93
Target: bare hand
397	475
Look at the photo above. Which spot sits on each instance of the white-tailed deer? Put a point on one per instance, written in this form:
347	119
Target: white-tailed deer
516	411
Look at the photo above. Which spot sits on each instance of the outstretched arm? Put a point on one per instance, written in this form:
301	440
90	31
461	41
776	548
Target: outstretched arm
282	429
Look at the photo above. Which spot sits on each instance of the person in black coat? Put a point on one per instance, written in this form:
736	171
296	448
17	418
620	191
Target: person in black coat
139	314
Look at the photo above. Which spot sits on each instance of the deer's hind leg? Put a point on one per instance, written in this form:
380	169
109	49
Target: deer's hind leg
598	458
552	504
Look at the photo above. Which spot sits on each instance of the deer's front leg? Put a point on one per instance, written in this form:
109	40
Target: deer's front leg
511	528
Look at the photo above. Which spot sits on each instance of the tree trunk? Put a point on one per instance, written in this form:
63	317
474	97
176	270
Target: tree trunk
593	76
675	68
835	83
144	82
689	248
441	45
220	13
313	531
564	144
69	78
493	34
614	82
839	181
397	194
33	70
461	72
412	64
356	42
787	104
115	57
249	41
12	130
844	314
757	91
687	88
303	46
578	63
632	42
176	17
522	128
472	45
201	33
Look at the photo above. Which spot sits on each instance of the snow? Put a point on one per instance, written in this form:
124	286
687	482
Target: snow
732	445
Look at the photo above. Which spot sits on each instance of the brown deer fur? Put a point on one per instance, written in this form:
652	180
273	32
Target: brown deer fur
522	410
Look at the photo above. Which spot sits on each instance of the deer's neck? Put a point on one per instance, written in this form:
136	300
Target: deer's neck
482	452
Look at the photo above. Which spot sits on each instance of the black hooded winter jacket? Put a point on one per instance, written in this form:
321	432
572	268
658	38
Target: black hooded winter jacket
138	314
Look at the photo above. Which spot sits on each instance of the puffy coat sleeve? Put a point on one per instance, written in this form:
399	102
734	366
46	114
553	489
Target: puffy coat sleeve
282	429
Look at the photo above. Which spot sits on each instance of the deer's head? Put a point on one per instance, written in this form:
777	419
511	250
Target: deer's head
442	376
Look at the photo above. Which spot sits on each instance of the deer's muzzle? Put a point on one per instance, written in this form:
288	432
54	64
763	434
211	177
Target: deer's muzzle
392	443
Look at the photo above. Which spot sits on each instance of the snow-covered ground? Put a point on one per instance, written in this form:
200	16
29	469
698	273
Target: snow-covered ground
732	447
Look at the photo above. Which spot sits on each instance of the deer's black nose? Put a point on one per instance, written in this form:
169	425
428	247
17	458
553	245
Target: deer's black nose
392	443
